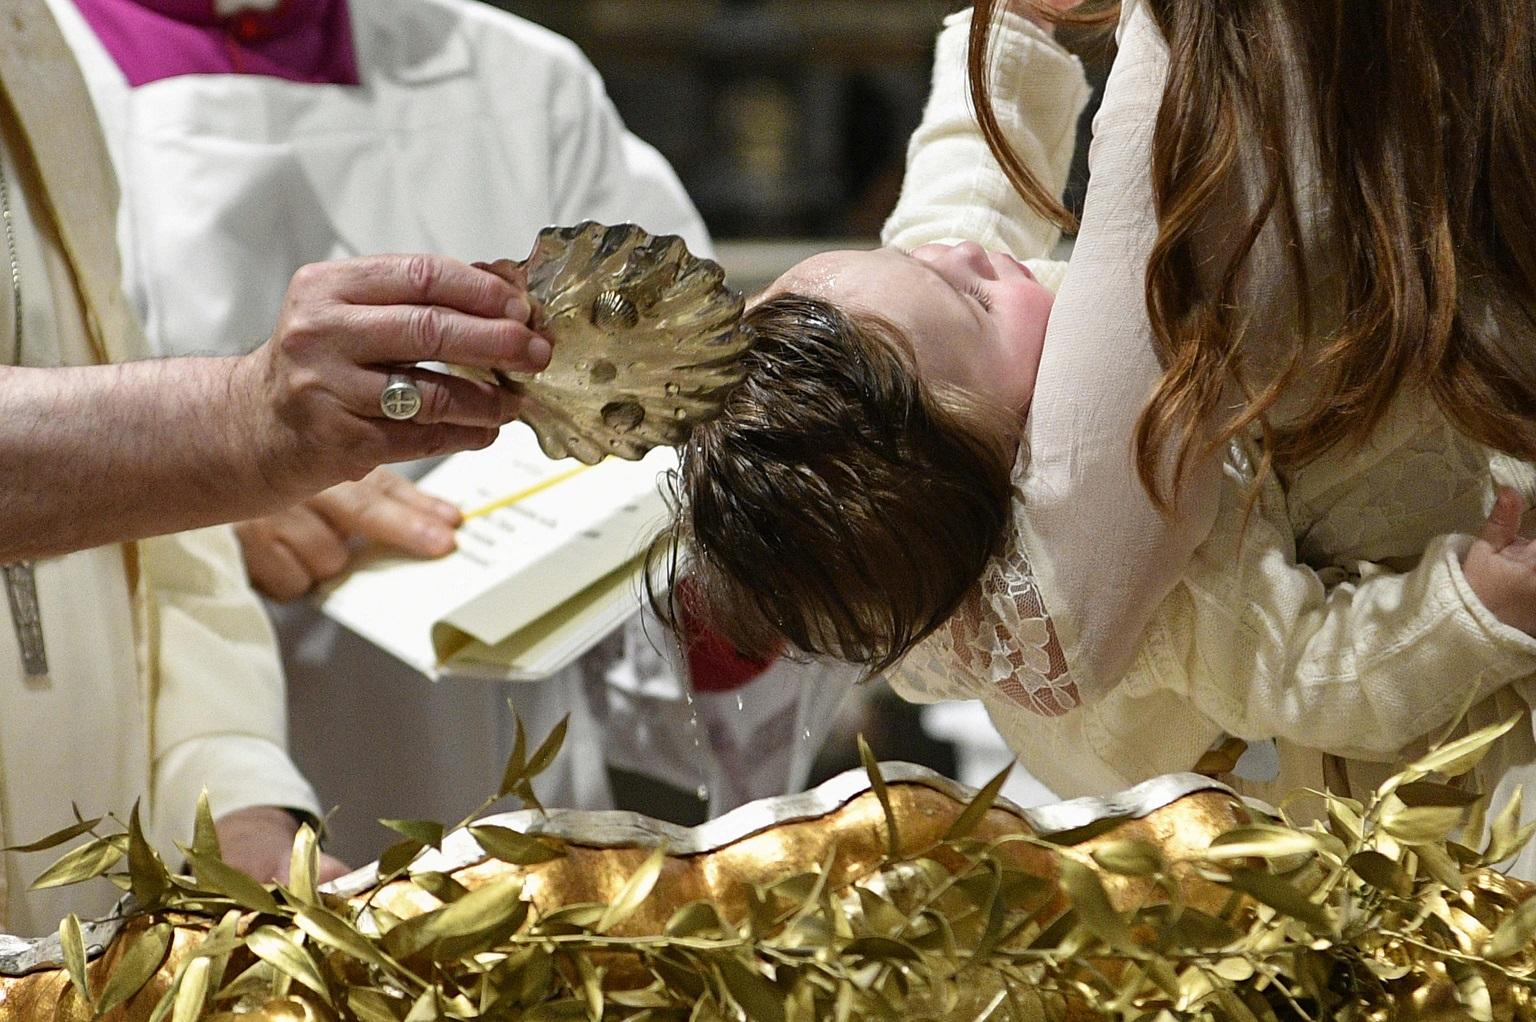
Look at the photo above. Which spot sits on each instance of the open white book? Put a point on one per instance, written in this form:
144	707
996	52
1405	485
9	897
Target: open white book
548	563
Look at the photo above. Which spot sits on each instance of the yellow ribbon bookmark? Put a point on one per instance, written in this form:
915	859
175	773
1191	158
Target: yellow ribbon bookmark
524	494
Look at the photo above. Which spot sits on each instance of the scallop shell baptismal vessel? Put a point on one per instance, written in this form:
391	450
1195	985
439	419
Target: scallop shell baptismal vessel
645	335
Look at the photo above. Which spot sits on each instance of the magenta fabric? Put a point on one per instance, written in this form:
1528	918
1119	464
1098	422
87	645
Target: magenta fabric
298	40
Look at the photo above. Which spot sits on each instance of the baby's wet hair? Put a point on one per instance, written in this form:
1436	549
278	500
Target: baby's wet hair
839	502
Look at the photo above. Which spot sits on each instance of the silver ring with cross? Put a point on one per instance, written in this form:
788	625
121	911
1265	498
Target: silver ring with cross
400	399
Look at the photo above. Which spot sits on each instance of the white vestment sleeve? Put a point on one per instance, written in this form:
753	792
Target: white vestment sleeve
219	713
954	189
603	172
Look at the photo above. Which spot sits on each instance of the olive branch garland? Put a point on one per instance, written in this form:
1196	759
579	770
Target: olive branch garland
1375	914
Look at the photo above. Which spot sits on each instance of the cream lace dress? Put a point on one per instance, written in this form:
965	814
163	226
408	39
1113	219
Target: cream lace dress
1111	644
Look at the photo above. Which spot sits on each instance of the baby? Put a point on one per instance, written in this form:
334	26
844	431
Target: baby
856	484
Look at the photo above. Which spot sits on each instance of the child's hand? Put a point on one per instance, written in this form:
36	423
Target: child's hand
1501	567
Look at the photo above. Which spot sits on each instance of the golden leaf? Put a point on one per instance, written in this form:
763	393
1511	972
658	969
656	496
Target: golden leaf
303	863
513	847
483	916
636	889
205	836
216	875
1129	858
1456	758
1421	825
137	963
977	807
1260	841
191	991
371	1006
73	946
271	944
1280	896
333	931
84	862
1092	905
57	838
877	782
1515	932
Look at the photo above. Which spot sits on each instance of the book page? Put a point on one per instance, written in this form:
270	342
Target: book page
538	533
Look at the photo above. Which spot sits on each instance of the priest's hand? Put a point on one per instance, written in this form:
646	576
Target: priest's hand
312	394
259	842
288	553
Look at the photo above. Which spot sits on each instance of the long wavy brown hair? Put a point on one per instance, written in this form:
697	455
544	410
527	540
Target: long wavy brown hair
1423	118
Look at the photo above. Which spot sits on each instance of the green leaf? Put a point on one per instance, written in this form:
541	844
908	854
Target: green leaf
191	991
1129	858
636	889
73	945
57	838
1456	758
512	847
1280	896
1092	905
976	809
84	862
877	782
333	931
272	945
423	832
1515	932
138	962
220	877
1381	873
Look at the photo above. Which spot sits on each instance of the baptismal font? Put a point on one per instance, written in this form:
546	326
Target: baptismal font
888	893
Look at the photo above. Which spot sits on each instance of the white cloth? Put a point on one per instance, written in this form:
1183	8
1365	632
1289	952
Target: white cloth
470	131
150	698
1112	644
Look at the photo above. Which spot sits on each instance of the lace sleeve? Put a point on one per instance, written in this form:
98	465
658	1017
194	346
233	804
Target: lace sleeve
1001	642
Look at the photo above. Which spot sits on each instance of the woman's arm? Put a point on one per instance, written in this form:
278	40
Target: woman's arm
954	189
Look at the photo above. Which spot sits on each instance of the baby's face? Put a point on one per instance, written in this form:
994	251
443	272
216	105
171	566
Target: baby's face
976	320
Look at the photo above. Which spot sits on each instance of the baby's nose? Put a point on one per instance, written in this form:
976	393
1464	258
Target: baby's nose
973	257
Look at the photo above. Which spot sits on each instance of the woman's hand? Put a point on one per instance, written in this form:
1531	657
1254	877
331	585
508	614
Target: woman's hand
288	553
1501	566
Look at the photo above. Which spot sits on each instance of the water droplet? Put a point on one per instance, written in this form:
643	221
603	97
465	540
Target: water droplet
603	371
806	734
623	416
702	792
671	389
582	367
739	706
